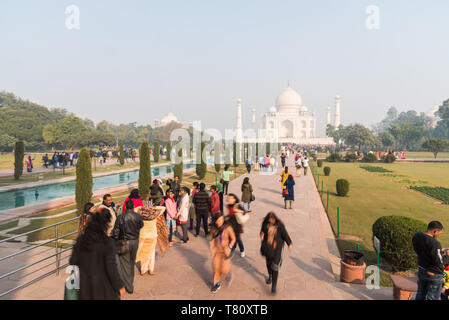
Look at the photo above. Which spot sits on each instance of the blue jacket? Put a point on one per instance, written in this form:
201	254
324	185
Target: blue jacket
291	190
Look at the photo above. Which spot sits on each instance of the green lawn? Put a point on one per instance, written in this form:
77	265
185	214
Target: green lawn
374	194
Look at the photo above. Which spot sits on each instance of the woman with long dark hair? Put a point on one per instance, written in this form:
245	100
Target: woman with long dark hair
273	235
94	254
89	209
237	218
247	193
134	196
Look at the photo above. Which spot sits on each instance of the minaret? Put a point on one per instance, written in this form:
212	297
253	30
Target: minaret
239	128
337	111
253	119
328	119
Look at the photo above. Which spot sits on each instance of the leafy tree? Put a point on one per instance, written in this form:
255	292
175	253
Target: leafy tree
157	151
6	142
145	170
338	134
201	166
122	154
19	152
179	168
99	138
357	135
168	156
442	128
407	134
386	138
435	145
84	181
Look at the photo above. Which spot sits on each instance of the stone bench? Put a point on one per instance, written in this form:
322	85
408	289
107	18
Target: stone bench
403	287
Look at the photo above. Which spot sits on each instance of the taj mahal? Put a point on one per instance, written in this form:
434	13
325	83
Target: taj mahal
288	121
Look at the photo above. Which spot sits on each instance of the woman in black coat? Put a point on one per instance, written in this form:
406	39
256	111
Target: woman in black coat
94	254
273	235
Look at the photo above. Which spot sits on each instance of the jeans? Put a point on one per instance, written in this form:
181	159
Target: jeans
247	206
202	215
225	187
429	286
238	242
171	225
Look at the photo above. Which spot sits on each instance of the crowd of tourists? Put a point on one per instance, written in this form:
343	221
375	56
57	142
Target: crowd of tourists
115	240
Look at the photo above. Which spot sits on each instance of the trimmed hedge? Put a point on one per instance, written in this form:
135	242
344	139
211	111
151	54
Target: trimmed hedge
351	157
319	163
327	171
370	157
395	234
334	157
389	158
342	187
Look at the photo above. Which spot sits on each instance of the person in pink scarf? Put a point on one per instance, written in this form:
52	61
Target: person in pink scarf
171	211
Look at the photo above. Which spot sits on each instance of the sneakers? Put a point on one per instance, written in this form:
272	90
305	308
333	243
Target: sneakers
242	254
216	287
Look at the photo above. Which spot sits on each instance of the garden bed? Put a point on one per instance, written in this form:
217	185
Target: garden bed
439	193
375	169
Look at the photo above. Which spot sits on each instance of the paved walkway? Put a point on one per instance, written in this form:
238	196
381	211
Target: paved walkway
309	272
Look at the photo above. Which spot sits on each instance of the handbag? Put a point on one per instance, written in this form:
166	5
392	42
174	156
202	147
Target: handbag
284	192
252	197
122	245
71	292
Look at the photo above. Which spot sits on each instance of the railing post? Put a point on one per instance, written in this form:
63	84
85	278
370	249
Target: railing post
57	250
338	222
322	185
327	205
318	180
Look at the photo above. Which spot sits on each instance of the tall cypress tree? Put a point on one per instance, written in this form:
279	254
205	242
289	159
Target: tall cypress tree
19	153
84	182
217	157
201	166
156	151
122	154
178	169
168	157
145	170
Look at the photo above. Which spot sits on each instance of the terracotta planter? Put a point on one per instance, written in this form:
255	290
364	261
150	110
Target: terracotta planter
352	274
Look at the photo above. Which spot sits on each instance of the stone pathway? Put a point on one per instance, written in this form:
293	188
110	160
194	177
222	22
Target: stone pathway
309	272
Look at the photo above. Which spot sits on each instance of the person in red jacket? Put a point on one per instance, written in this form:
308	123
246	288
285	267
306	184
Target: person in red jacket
214	203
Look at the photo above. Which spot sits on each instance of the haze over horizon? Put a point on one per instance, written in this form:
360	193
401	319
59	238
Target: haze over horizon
139	60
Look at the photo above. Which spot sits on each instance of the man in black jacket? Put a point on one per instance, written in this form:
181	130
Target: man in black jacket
127	227
174	186
201	200
430	262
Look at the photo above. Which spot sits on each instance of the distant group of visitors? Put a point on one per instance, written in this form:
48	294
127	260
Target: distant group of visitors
60	160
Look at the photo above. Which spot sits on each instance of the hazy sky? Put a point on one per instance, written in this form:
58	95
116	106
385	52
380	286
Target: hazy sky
138	60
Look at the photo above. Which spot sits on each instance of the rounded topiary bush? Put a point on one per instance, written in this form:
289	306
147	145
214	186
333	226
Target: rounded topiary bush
342	187
389	158
319	163
370	157
395	234
327	171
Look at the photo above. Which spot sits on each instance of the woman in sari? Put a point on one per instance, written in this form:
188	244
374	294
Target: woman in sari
148	238
89	209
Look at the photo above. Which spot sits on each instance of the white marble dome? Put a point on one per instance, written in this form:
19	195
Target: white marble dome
289	100
169	118
273	109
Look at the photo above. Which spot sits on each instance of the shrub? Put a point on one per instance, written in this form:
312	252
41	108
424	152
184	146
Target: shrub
122	154
179	167
201	166
395	235
319	163
84	182
19	152
327	171
157	152
334	157
145	170
342	187
370	157
389	158
351	157
168	156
